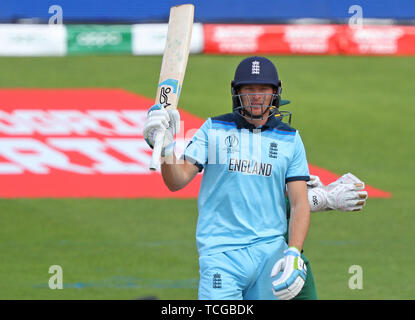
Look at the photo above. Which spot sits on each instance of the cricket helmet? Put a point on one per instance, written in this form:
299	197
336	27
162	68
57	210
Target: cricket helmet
255	70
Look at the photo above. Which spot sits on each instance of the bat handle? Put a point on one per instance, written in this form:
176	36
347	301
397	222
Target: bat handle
158	144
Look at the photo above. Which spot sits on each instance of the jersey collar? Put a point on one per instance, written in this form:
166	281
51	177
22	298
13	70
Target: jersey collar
242	123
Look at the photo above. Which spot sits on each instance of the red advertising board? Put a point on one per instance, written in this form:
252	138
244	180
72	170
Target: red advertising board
309	39
79	143
87	143
377	40
267	39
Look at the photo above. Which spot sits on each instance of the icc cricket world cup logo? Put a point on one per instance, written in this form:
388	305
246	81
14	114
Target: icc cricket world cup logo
231	143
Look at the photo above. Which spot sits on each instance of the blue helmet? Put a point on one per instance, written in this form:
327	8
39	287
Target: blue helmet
256	70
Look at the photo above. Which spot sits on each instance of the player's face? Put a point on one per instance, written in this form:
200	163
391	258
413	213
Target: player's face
256	96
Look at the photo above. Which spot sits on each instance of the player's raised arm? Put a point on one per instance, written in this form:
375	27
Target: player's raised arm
176	174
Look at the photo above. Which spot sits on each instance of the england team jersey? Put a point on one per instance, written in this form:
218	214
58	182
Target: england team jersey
241	199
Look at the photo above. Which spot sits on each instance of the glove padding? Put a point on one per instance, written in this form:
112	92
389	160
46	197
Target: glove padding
314	182
160	120
350	178
345	194
293	276
346	197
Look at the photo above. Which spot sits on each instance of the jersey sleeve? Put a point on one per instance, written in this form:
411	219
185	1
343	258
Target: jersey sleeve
298	167
196	151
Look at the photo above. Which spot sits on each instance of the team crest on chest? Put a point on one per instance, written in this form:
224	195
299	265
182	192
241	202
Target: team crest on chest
273	150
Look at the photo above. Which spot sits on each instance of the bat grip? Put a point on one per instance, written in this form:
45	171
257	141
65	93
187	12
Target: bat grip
158	144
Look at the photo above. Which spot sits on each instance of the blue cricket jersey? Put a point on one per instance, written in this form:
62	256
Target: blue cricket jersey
241	200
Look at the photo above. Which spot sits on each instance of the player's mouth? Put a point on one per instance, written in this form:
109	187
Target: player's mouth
258	107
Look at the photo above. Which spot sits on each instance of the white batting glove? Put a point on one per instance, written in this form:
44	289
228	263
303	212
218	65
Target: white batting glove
294	273
350	178
345	194
346	197
314	182
168	122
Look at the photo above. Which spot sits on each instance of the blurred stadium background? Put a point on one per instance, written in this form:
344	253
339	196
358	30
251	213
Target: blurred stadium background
76	80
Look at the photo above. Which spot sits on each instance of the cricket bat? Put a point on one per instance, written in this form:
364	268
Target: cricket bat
173	66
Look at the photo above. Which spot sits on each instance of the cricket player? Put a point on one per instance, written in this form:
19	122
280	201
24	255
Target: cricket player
249	158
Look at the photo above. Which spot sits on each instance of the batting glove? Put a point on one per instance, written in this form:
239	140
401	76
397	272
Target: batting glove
314	182
160	120
294	273
344	194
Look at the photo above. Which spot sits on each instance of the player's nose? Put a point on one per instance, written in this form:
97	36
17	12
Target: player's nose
257	98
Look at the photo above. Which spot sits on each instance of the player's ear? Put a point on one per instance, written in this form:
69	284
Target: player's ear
234	89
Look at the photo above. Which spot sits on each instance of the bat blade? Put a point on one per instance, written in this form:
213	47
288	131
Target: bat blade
173	66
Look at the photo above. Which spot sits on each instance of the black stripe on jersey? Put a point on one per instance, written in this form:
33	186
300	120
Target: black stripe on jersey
297	178
193	161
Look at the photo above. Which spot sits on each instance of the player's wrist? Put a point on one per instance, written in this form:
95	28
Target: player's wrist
293	250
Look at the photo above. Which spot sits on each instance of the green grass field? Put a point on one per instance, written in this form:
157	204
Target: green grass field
355	114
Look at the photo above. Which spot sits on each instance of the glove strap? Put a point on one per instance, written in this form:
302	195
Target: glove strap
317	197
293	251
